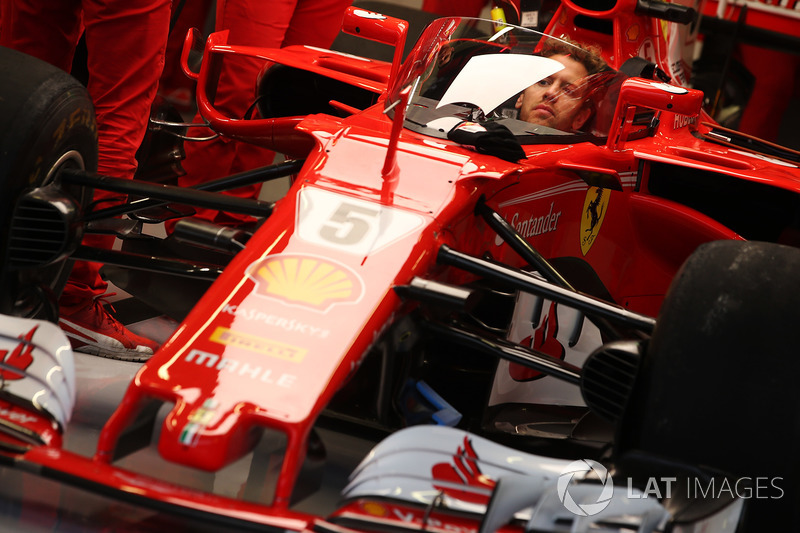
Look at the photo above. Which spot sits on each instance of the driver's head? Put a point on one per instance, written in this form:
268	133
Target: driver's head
560	101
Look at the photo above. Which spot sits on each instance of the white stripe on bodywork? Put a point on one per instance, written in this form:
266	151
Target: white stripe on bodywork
546	193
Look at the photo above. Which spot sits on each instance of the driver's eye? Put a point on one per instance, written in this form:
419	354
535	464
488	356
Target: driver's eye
572	91
545	82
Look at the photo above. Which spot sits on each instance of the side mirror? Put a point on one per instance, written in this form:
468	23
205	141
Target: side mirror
192	53
643	93
380	28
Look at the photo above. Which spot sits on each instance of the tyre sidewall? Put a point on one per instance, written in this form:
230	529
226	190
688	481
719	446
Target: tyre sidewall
44	114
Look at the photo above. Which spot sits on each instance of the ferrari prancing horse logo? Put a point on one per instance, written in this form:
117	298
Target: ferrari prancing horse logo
594	211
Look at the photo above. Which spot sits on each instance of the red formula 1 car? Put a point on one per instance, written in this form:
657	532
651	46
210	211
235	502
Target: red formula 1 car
436	260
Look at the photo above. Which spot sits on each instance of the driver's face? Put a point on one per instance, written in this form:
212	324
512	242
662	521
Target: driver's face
557	101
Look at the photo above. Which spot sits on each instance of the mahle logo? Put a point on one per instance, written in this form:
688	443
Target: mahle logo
604	491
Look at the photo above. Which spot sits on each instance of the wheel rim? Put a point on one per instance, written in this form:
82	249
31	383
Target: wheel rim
72	156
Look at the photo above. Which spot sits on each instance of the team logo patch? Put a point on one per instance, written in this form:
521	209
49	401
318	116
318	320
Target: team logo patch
258	344
20	357
594	211
544	340
306	281
199	419
464	470
364	14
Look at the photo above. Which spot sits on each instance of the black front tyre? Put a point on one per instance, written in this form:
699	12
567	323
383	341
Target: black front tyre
718	385
47	123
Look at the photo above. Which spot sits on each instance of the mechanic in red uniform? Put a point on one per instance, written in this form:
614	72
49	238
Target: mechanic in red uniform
175	87
534	14
125	40
455	8
274	24
777	81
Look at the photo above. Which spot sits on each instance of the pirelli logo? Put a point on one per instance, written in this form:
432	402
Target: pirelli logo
258	344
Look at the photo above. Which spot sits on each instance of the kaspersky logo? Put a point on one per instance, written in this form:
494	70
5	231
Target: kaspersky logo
598	500
306	281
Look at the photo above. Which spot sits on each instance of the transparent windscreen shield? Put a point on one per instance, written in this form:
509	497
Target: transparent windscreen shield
543	89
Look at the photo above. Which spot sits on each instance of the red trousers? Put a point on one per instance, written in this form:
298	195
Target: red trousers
777	79
174	86
273	24
455	8
459	8
125	41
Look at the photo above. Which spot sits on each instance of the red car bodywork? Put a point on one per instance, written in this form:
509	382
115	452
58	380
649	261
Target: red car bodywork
292	317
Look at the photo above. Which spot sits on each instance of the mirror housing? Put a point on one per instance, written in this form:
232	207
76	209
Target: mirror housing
192	53
650	94
379	28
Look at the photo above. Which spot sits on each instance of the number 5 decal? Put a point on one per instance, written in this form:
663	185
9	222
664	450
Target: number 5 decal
350	224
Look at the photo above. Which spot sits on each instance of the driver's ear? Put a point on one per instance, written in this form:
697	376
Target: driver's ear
518	104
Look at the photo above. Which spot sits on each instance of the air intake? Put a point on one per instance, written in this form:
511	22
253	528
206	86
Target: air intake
608	377
44	229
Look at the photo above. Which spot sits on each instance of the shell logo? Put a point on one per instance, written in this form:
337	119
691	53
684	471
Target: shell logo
307	281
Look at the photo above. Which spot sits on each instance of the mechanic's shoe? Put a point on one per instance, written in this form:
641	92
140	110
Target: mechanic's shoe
93	330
